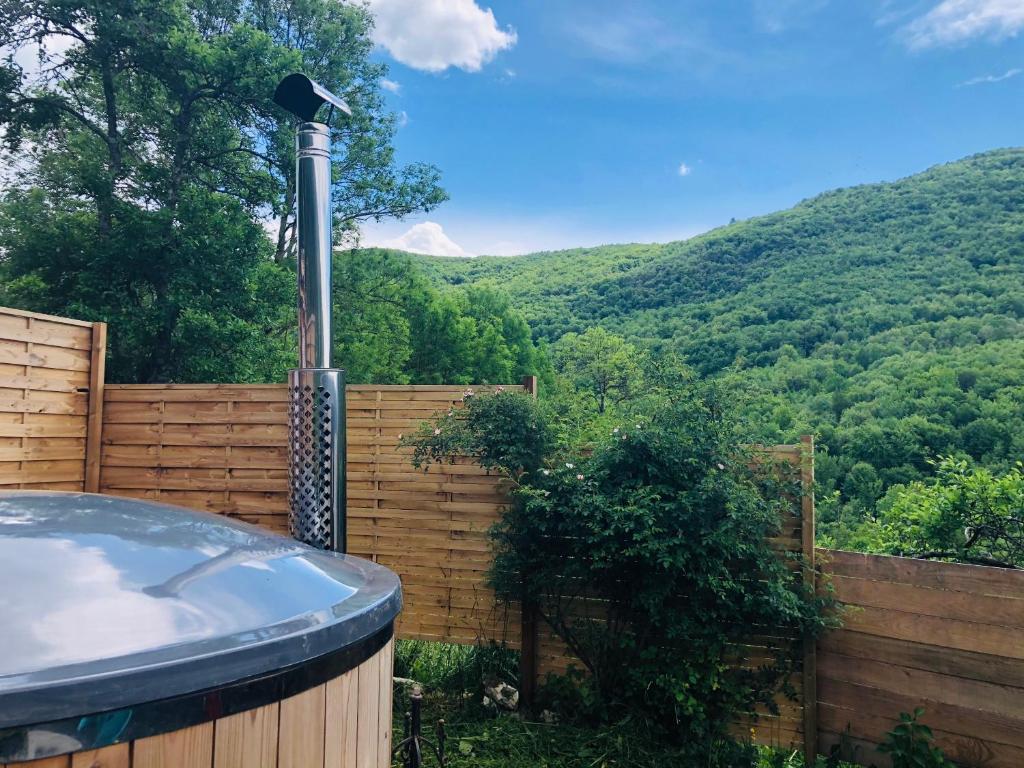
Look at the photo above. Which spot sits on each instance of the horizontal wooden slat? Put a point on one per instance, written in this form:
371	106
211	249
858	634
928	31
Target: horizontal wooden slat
910	598
987	726
926	685
64	321
914	655
929	574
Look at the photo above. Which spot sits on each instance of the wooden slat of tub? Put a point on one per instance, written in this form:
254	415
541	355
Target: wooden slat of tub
187	748
386	689
61	761
248	739
342	721
301	728
369	712
115	756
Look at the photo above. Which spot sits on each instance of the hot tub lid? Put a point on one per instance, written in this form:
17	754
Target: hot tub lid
111	602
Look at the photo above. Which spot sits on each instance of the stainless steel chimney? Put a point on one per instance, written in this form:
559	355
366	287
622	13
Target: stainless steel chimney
316	420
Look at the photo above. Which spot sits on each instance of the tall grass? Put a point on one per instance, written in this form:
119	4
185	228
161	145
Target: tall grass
455	669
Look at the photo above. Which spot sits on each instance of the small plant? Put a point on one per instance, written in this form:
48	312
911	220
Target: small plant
909	744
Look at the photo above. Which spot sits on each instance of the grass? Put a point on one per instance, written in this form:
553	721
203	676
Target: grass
480	738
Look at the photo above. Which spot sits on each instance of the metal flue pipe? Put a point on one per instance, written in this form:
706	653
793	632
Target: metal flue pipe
313	232
316	434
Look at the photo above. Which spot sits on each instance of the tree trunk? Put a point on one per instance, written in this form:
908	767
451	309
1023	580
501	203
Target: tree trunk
283	239
115	163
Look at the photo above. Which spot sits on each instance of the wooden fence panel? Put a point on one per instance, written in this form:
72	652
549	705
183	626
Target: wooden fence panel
946	637
51	374
224	449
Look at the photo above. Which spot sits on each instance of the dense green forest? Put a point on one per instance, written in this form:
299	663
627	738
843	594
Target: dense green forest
887	319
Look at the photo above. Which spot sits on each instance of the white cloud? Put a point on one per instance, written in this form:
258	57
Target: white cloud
34	57
991	78
403	119
427	237
390	85
506	234
632	38
434	35
775	16
684	169
957	21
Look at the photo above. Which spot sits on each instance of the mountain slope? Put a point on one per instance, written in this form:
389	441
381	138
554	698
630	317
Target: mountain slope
859	262
888	319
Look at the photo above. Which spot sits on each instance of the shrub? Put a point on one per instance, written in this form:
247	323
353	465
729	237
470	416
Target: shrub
501	430
649	557
965	514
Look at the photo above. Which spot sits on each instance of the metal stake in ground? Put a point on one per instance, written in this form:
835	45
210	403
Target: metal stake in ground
316	422
411	747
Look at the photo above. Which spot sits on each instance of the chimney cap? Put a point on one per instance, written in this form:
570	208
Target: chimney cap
304	97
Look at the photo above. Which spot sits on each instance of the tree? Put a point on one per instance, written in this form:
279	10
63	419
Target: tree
392	326
333	45
600	363
150	154
965	514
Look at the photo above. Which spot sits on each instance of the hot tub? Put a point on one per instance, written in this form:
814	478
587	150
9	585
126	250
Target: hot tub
141	634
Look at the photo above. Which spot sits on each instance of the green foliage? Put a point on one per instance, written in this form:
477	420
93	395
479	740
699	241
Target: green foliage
886	319
664	524
393	327
478	739
965	514
503	430
146	156
455	669
599	363
909	744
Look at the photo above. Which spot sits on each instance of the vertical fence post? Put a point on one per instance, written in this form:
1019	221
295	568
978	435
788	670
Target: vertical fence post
94	424
810	660
529	639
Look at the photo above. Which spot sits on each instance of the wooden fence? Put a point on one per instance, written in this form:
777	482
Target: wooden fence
223	448
946	637
51	397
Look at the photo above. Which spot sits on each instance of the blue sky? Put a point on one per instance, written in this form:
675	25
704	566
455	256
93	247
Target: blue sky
561	123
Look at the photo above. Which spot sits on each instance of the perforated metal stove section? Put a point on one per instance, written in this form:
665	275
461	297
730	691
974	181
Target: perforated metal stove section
317	457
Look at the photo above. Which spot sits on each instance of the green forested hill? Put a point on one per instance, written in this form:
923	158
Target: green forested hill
886	318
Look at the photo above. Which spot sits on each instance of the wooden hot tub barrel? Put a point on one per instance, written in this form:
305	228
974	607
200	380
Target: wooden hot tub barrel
144	635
